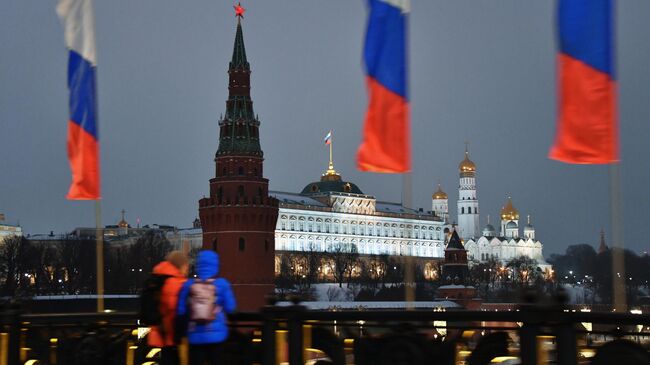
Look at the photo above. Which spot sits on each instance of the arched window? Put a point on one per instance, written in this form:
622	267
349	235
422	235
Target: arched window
240	170
462	210
242	244
223	172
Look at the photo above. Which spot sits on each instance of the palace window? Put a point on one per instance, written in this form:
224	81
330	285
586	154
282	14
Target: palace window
242	244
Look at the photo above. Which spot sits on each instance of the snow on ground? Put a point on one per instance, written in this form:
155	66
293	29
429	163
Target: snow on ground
324	305
578	294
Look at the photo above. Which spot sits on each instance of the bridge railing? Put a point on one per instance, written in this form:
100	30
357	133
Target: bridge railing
292	334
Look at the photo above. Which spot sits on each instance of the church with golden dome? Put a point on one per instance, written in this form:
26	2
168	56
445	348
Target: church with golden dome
507	243
488	243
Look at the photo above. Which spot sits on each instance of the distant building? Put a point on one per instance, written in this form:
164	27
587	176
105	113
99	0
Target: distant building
8	230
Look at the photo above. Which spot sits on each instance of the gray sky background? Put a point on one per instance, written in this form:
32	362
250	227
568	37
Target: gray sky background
481	70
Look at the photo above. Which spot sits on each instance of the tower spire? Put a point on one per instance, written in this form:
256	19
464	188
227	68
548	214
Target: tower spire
603	247
239	51
239	127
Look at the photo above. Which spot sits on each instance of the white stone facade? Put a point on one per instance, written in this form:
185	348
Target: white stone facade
8	230
505	249
316	223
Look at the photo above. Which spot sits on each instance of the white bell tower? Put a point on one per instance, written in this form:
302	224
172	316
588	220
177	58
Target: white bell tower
468	213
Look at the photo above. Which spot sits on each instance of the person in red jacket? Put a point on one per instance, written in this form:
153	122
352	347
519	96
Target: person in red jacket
175	266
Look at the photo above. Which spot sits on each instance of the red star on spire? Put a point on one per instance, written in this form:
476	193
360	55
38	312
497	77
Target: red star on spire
239	10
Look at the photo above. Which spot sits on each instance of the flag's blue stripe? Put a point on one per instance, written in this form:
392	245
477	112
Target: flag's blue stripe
385	49
83	96
586	32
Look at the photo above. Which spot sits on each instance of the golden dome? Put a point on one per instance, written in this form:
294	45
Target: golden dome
439	194
123	223
509	212
467	165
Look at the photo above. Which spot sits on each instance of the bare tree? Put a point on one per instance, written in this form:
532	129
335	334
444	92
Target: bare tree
13	252
285	280
144	254
343	257
77	259
310	262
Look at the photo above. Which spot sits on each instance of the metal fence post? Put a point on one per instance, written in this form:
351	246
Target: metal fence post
529	331
567	350
11	336
294	326
528	343
268	333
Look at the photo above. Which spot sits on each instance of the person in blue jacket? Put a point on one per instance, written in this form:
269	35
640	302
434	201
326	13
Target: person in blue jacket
206	339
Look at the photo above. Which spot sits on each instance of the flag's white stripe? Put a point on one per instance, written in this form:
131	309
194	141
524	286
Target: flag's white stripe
79	25
404	5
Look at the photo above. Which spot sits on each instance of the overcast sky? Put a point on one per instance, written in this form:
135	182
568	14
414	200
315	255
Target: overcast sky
481	71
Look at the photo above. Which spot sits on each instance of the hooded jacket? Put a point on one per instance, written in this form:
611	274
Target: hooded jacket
168	303
207	267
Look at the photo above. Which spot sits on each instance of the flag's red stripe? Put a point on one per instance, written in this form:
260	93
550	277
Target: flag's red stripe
83	153
386	139
587	131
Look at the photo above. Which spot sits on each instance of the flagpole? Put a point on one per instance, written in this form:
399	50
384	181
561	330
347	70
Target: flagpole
618	253
409	267
99	255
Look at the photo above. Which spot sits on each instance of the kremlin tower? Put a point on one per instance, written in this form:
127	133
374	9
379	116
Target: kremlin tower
238	218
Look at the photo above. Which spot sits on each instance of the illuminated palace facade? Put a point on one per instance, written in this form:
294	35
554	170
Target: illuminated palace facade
332	211
333	214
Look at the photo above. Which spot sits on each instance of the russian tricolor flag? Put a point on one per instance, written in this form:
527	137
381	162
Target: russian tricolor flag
83	139
386	145
328	138
587	129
